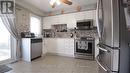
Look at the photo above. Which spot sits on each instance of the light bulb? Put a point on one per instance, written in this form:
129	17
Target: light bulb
58	2
52	2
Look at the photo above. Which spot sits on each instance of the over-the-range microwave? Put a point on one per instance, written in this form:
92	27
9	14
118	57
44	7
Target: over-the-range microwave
85	24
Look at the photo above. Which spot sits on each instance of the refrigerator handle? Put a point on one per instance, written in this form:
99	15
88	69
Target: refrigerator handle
97	60
102	48
97	18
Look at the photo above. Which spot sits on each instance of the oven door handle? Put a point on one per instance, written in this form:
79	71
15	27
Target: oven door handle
102	48
97	60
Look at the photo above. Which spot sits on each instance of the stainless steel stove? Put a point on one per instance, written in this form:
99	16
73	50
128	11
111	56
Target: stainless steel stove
84	48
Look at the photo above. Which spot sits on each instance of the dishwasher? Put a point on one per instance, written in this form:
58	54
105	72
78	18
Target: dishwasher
31	48
36	48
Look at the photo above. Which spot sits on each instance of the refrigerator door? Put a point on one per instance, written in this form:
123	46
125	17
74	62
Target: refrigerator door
99	18
110	33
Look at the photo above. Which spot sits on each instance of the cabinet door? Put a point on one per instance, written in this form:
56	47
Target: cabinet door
71	21
60	46
89	14
63	19
55	20
50	45
79	16
69	46
47	22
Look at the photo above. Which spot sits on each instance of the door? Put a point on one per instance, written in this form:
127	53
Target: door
5	39
108	58
101	70
108	22
99	18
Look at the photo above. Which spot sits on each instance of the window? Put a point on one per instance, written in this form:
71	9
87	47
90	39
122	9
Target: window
5	50
35	24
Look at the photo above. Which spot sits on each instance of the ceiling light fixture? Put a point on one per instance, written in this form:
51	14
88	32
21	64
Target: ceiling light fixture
58	2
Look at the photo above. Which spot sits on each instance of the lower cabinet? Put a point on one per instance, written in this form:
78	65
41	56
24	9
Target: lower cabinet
60	46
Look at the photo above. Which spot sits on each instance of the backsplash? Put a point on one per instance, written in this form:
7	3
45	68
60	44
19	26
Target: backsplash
51	33
22	18
85	33
71	33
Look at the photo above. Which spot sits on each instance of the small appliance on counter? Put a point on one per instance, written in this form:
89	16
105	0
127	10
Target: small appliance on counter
27	35
48	33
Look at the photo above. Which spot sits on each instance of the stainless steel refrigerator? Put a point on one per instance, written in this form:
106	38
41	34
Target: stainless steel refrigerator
112	23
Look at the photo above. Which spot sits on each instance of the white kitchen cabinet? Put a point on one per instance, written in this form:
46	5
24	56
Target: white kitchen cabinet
60	46
80	16
89	14
62	19
50	44
55	20
47	22
69	46
69	19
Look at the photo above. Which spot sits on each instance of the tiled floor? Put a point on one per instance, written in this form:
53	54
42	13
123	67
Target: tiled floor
55	64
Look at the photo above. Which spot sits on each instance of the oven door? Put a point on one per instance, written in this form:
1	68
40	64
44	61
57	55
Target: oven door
84	46
107	59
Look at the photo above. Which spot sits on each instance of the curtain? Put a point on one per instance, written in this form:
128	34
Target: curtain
9	22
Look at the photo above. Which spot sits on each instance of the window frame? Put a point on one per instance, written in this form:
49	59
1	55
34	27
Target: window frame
36	16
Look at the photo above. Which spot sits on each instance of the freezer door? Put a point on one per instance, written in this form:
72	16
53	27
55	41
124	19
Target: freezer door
101	70
108	58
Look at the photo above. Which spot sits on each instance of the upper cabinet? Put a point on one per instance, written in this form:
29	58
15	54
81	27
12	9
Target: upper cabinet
80	16
47	22
89	14
69	19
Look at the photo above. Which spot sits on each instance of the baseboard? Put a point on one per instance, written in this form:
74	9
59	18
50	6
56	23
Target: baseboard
44	55
60	54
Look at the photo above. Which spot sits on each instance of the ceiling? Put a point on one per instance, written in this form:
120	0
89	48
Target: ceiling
45	6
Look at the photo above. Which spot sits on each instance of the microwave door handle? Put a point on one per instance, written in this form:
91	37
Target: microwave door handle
102	48
97	60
